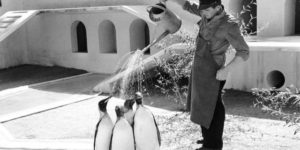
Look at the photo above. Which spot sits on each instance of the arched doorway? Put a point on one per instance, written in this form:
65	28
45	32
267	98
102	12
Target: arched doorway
139	35
297	18
107	37
79	37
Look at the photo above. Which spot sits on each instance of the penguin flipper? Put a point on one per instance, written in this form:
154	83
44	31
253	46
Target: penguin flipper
96	132
157	130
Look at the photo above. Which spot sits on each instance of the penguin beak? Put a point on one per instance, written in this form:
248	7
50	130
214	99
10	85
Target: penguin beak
107	98
102	103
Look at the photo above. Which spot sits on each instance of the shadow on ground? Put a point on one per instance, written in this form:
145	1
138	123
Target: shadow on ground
30	74
238	103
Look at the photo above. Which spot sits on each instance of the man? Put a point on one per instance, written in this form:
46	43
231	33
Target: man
217	31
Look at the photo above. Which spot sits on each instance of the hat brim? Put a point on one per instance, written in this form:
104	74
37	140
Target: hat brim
202	7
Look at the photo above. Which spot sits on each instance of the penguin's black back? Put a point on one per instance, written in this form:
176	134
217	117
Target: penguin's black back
96	132
157	130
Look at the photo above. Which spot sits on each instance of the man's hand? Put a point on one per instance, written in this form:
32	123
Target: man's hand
222	73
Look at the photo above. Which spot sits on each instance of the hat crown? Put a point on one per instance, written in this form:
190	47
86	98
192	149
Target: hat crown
209	2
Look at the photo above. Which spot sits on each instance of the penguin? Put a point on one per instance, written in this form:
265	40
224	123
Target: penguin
122	137
104	127
128	110
146	132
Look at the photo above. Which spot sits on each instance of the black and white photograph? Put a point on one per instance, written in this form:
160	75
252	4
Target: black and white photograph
149	74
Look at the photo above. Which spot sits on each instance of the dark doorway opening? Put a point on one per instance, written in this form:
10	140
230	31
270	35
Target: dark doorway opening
81	38
297	17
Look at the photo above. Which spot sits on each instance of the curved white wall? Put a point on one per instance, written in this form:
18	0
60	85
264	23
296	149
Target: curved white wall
49	40
13	49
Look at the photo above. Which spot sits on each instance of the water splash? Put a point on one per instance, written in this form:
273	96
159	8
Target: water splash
130	73
132	78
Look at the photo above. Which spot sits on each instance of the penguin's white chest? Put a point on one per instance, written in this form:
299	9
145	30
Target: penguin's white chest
123	138
103	137
145	130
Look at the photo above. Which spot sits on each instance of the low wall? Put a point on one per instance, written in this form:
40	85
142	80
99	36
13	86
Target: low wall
271	64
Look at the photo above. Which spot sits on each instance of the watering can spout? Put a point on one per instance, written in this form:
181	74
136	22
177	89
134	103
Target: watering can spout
164	17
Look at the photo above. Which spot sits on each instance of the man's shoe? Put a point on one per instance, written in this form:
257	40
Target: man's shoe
200	141
204	148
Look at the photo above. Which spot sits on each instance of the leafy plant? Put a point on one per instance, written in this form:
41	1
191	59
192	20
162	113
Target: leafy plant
283	104
248	18
173	76
172	73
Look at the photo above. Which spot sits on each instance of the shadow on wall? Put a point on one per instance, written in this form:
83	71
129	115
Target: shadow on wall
107	37
139	35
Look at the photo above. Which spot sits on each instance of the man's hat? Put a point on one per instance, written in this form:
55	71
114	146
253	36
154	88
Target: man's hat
204	4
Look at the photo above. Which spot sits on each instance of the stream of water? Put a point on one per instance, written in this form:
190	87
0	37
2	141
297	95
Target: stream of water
132	77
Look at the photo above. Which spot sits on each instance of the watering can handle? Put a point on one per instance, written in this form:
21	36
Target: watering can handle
164	34
156	6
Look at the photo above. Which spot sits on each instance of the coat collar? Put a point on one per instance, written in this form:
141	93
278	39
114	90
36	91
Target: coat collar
208	28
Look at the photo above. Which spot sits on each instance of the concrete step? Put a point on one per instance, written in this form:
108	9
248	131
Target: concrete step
13	20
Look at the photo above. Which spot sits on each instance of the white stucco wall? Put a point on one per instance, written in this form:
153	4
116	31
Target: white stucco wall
264	58
13	49
49	40
47	4
276	18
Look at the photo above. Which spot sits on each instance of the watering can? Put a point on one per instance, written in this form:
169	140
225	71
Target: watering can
165	19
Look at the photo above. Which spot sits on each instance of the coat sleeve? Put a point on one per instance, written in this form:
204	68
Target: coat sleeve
238	42
192	8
